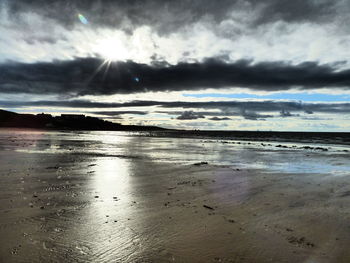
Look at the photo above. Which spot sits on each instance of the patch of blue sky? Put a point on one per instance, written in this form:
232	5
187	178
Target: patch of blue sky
276	96
160	115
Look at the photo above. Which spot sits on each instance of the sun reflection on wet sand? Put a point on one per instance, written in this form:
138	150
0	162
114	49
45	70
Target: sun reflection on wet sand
111	178
109	214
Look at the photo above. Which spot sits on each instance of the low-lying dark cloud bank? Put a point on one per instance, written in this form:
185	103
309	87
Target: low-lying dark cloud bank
79	76
190	115
253	110
219	119
116	113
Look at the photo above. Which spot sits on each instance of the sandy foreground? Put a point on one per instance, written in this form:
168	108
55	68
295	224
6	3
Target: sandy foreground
67	207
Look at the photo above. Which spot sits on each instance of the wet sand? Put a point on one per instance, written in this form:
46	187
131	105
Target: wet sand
63	199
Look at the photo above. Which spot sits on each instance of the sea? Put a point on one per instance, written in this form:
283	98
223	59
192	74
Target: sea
318	153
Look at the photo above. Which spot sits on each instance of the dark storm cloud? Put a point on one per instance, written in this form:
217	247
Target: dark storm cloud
296	10
234	111
117	113
226	106
78	104
251	115
308	112
219	119
163	15
316	119
166	16
205	113
190	115
284	113
77	77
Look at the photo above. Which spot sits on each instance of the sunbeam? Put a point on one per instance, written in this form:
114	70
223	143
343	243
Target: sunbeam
97	71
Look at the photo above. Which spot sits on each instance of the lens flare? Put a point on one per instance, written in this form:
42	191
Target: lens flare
83	19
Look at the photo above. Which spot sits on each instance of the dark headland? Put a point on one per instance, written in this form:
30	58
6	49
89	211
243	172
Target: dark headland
65	122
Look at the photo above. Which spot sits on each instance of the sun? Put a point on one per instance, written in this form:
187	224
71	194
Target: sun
112	49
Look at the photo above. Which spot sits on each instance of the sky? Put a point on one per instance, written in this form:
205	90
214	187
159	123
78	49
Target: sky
276	65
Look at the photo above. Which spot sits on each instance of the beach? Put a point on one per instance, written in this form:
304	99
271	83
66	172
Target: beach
129	197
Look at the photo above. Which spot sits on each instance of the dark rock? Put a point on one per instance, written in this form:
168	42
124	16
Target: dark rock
208	207
201	163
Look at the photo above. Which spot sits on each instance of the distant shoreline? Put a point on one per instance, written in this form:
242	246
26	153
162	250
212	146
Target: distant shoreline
264	137
71	122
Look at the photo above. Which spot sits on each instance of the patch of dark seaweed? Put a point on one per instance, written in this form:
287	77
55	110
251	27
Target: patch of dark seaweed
301	242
